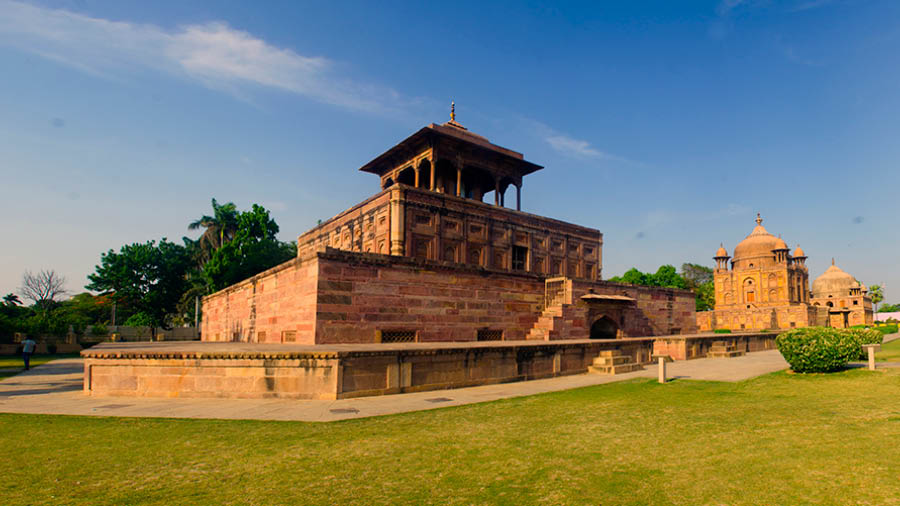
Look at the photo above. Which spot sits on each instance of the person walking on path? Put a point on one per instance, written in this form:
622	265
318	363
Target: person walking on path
27	349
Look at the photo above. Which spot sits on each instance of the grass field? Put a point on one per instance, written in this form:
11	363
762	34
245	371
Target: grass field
890	352
780	439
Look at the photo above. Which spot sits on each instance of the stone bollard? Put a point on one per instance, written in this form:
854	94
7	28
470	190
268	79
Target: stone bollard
871	349
662	359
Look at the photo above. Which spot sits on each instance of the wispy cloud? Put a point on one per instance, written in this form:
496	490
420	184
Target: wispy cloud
570	146
213	54
575	148
809	5
725	7
791	54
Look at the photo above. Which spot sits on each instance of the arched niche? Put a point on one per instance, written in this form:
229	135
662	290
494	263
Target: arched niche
604	328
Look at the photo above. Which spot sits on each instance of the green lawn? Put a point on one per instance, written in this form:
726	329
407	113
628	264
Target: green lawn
15	361
781	439
890	352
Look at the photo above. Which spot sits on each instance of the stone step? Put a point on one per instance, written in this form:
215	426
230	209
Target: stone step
724	354
617	360
614	369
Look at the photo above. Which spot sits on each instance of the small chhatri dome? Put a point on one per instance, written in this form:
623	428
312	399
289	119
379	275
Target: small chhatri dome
721	252
760	243
799	253
781	244
833	281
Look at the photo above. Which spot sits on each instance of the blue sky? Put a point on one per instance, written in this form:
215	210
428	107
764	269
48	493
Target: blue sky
666	125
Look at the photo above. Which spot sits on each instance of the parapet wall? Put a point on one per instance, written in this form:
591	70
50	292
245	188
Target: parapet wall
334	297
762	318
697	346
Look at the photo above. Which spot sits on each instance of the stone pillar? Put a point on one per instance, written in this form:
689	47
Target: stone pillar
433	163
459	179
434	160
519	197
662	369
398	226
496	192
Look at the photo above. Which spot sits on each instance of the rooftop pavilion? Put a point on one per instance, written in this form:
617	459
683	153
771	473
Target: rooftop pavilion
448	158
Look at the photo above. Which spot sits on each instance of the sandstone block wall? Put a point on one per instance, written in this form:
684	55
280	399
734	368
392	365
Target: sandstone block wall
438	303
343	297
274	306
762	318
697	346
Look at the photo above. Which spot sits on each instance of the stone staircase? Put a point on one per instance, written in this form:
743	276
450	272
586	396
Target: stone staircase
723	349
613	362
558	322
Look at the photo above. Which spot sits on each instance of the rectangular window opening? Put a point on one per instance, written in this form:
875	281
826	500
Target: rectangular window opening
490	335
520	258
398	336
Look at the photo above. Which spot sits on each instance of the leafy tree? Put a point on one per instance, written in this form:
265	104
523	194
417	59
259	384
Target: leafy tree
889	308
253	249
220	228
148	277
695	274
699	279
139	319
876	293
666	276
632	276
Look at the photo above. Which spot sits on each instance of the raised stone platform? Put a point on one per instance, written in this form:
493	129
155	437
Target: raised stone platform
257	370
244	370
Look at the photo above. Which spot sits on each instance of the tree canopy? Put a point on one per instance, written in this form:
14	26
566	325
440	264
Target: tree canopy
152	283
666	276
147	277
253	249
694	277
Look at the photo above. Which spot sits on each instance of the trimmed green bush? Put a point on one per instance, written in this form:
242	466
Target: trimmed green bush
865	336
722	331
817	349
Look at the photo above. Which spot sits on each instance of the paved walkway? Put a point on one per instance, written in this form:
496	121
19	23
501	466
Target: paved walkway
56	388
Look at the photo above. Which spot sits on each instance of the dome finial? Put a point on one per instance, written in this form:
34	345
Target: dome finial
758	219
452	111
832	260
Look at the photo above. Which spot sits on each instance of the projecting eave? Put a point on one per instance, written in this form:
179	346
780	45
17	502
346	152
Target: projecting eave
423	139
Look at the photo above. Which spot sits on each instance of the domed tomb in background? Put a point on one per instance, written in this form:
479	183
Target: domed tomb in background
846	298
762	287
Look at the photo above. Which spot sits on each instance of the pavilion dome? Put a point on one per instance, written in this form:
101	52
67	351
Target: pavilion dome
799	252
760	243
834	281
721	252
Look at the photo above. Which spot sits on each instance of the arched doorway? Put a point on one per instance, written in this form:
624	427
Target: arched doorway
604	328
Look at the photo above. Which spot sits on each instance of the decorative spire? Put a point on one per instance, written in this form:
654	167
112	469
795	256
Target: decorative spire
832	260
758	219
452	111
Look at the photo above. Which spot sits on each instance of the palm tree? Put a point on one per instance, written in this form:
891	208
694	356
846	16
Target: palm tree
12	299
220	228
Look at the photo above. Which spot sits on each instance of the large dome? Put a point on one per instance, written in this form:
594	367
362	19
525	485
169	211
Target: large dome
759	243
833	281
